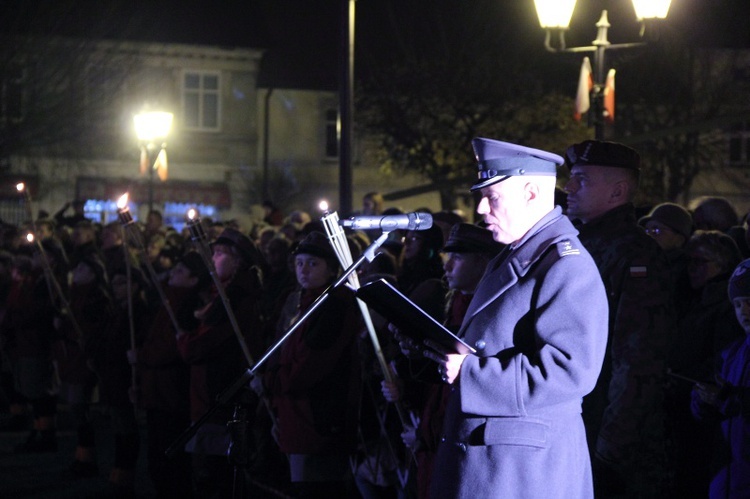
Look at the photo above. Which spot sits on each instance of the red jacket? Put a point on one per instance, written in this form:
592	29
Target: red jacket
212	350
315	384
92	310
163	374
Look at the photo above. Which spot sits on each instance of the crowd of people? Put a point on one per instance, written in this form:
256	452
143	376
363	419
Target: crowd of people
609	345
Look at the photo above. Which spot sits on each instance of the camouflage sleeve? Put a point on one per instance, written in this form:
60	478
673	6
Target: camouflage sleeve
641	324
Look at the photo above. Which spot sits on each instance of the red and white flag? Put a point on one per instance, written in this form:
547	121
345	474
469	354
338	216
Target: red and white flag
161	165
144	161
609	97
585	84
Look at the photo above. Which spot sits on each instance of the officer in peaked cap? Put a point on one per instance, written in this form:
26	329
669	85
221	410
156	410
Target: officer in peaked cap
538	348
498	161
627	433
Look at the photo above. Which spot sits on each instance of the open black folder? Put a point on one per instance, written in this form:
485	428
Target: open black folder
414	322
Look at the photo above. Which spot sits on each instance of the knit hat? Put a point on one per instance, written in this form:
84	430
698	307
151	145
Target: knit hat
316	244
739	283
468	238
197	267
246	249
673	216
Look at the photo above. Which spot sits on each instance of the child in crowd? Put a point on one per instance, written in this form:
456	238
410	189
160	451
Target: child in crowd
728	401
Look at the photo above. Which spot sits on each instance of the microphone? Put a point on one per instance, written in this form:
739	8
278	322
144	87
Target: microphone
406	221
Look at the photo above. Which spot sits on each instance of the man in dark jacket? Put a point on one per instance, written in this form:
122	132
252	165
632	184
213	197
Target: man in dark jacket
624	415
512	424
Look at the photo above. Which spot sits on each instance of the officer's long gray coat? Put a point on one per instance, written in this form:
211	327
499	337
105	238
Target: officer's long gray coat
539	322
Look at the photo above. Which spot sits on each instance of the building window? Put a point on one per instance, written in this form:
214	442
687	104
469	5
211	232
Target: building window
739	145
333	130
200	100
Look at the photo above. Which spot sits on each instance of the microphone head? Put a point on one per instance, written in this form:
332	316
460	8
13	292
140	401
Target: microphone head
419	221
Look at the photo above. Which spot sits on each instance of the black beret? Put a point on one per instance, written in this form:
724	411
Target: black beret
469	238
602	153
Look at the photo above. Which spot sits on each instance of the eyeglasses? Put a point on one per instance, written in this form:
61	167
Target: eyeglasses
656	231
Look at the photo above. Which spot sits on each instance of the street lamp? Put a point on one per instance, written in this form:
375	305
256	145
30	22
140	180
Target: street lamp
554	17
152	128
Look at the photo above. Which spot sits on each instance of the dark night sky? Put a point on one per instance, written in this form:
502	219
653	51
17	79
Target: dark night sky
303	36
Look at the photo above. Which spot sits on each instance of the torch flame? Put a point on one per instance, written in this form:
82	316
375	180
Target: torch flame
30	237
192	213
122	203
20	186
323	205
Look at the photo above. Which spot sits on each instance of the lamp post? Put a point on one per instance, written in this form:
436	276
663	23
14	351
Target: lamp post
152	128
554	17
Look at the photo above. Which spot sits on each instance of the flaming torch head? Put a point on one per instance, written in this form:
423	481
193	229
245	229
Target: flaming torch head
194	225
323	205
22	189
30	237
123	211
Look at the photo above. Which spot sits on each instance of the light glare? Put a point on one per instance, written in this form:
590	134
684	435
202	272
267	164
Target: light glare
651	9
554	14
152	125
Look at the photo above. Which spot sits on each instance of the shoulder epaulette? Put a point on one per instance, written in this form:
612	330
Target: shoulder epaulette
566	248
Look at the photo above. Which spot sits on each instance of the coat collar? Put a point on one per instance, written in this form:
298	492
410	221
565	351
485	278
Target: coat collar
514	261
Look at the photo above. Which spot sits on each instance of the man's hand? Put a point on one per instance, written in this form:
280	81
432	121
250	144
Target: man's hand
449	364
408	347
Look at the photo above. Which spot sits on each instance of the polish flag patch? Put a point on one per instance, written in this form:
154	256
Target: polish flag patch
638	271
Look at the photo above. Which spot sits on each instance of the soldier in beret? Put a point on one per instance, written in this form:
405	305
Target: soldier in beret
624	415
513	426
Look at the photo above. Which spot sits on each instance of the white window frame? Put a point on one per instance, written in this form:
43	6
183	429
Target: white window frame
202	93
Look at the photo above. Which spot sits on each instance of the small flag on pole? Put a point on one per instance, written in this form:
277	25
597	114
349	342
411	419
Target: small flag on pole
144	160
161	165
609	97
585	84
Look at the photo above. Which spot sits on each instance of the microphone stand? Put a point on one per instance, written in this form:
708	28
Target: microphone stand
242	381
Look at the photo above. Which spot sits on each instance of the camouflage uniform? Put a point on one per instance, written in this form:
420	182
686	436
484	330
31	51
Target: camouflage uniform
624	415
